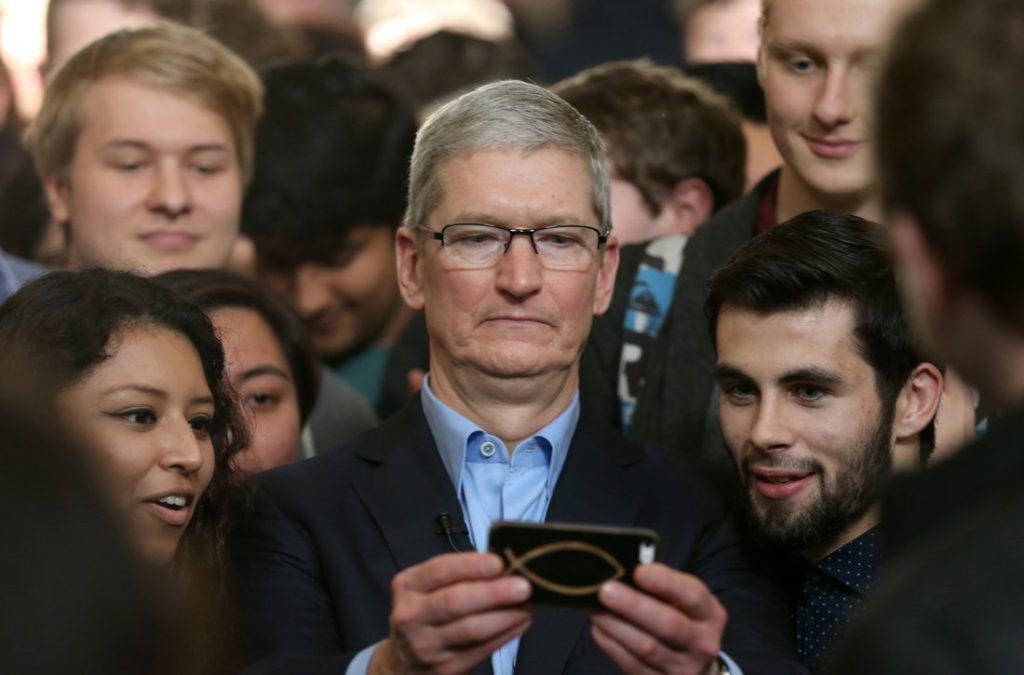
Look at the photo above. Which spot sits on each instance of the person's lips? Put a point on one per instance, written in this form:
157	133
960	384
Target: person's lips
170	240
173	507
829	148
780	483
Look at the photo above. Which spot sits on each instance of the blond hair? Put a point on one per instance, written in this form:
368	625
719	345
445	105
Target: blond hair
168	56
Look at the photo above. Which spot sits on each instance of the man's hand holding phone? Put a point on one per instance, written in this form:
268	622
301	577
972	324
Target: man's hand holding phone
645	616
450	613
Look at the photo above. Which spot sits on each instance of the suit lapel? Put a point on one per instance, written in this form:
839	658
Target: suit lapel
404	486
602	483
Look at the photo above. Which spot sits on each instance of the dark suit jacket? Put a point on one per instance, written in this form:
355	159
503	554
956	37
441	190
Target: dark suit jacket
314	562
674	406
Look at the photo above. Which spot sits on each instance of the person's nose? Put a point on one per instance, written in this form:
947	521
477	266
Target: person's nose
309	292
182	449
835	103
519	270
771	431
169	192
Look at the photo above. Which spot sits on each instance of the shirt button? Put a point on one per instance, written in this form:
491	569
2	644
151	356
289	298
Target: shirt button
487	449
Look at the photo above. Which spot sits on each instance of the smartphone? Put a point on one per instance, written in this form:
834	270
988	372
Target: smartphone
565	563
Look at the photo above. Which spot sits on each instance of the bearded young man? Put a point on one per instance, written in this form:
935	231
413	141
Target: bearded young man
823	395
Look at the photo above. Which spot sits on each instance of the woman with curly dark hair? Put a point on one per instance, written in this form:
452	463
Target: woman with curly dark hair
137	373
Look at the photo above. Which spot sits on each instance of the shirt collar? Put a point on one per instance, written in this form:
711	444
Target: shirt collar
856	563
452	431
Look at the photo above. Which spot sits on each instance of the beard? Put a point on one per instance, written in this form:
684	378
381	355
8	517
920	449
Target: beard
841	500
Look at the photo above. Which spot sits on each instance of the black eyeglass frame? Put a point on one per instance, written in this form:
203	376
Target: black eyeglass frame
602	237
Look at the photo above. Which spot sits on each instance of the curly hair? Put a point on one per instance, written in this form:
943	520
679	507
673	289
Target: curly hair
63	324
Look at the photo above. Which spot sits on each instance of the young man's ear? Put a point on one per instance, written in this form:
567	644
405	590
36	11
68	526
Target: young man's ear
407	263
58	198
686	208
915	409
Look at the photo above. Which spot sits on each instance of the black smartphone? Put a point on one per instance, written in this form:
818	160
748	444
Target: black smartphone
566	564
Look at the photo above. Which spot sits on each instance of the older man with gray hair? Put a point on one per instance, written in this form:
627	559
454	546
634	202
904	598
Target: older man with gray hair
373	559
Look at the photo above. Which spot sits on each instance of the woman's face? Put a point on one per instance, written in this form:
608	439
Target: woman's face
260	373
146	412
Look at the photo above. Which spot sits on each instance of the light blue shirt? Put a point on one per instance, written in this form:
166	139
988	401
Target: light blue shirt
493	484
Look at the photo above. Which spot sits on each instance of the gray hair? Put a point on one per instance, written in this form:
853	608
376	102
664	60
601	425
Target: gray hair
505	115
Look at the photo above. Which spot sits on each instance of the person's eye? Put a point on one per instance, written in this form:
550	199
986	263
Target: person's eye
260	400
801	64
139	416
739	393
809	394
207	169
129	165
558	239
202	425
471	238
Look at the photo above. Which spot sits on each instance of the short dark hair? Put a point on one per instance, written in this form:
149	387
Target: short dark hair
62	324
661	127
332	153
951	141
820	256
215	289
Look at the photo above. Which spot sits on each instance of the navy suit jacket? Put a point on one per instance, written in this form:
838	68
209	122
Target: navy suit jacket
313	562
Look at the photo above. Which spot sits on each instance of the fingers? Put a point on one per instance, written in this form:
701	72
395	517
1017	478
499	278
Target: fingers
683	591
672	624
620	656
447	569
451	612
450	587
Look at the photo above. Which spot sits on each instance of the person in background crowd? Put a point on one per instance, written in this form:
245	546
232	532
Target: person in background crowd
717	31
342	567
325	201
138	376
823	395
144	145
675	147
270	363
951	158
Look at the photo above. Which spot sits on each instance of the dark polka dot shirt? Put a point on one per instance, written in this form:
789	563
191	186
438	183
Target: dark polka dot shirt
831	591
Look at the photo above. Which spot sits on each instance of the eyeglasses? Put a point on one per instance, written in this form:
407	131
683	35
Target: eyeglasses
561	247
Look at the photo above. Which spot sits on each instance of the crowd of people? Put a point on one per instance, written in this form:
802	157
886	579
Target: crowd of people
275	361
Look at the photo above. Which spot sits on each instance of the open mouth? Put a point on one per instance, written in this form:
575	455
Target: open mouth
172	509
173	502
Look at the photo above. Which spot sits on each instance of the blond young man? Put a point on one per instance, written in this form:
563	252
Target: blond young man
144	146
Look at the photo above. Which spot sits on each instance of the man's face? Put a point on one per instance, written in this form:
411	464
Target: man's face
154	183
350	301
723	31
817	65
802	417
516	319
